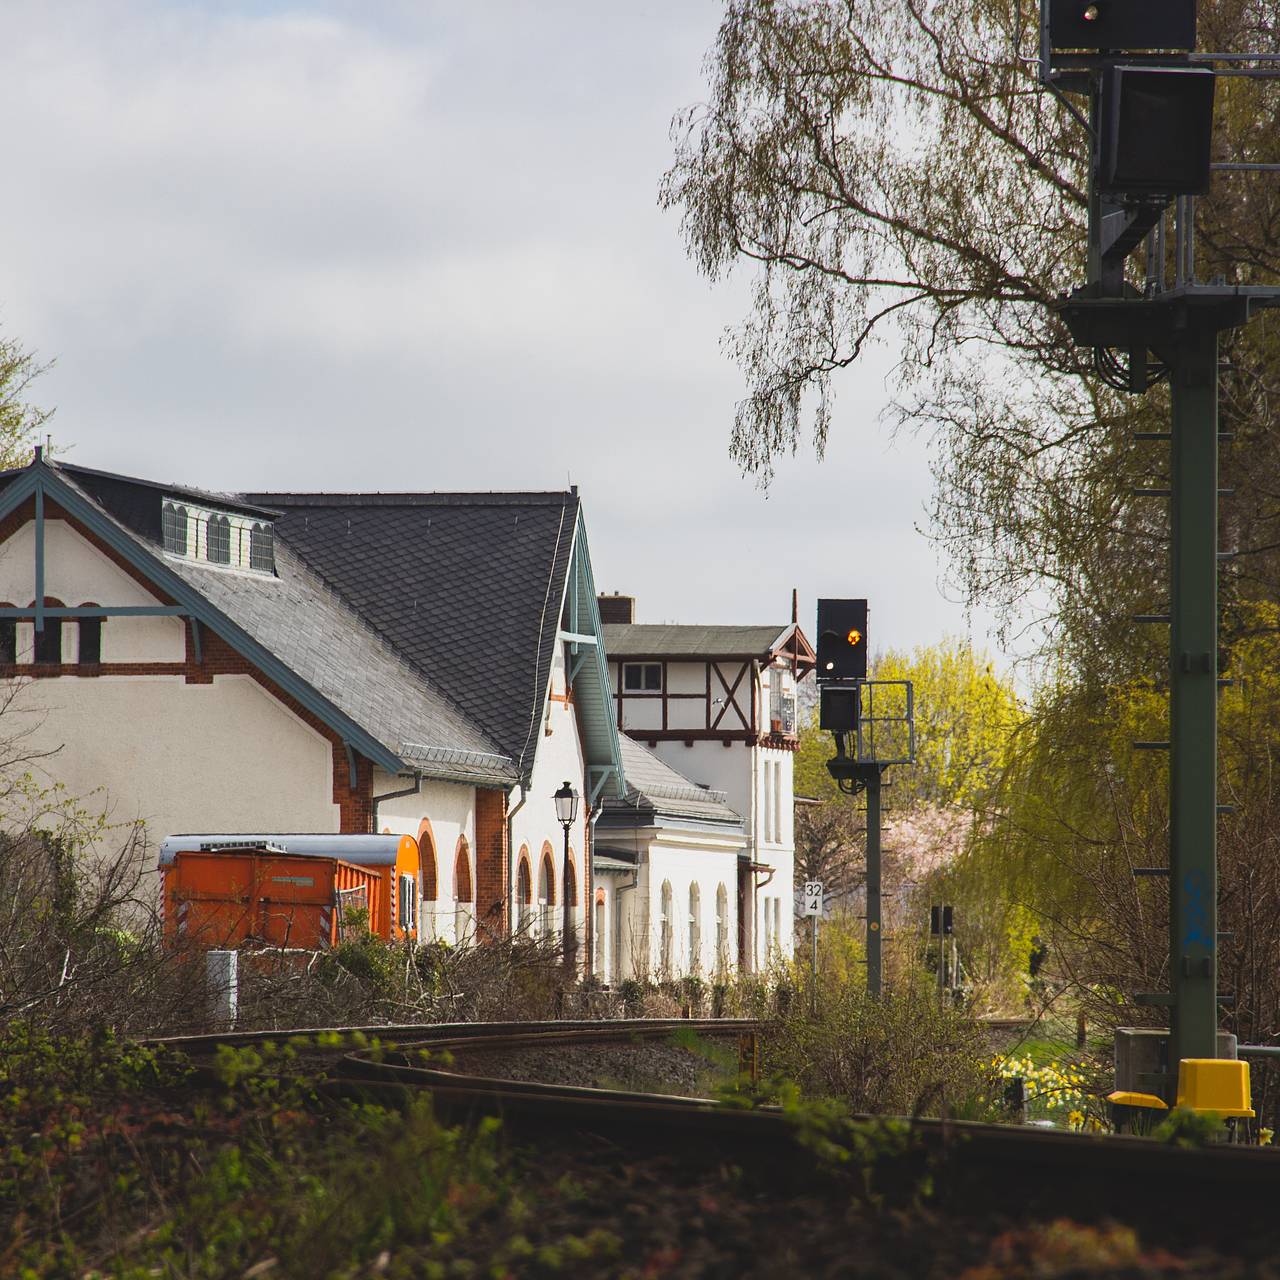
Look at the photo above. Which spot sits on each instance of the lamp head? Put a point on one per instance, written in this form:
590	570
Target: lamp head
566	805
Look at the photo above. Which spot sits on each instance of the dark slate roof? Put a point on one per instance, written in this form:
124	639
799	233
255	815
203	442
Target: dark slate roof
647	640
653	787
303	622
466	587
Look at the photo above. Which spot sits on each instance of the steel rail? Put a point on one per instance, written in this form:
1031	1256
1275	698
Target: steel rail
972	1165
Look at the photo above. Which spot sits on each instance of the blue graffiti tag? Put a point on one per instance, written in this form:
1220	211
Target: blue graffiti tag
1196	914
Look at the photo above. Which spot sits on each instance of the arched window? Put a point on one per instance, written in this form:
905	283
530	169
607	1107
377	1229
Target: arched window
524	892
427	857
218	540
173	525
89	653
695	928
665	939
8	637
601	926
462	893
571	885
722	930
546	892
49	641
262	553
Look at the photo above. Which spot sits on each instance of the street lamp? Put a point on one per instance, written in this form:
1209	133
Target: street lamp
567	811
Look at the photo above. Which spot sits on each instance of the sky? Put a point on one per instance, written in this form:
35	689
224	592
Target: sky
398	245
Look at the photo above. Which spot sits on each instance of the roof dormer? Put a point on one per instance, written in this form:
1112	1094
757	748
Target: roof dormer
230	539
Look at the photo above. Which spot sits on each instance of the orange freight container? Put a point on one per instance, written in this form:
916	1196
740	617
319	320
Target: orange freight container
394	861
229	897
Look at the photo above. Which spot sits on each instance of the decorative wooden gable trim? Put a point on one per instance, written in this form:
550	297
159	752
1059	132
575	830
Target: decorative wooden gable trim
40	486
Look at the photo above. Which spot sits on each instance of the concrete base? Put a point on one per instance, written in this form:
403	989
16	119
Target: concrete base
1142	1060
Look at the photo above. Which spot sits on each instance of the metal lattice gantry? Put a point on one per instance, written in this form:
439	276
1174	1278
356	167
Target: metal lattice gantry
1150	101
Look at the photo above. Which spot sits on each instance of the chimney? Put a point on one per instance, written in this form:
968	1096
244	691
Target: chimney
616	608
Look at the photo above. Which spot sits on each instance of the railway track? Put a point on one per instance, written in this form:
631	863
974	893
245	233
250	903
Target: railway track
972	1166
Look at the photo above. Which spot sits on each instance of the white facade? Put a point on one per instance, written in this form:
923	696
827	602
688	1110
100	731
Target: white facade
727	723
675	914
441	816
149	745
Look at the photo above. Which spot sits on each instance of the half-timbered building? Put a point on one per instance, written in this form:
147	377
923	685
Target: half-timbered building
717	704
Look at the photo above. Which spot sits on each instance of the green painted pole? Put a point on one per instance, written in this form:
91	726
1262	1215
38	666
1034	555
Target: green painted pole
1193	651
873	882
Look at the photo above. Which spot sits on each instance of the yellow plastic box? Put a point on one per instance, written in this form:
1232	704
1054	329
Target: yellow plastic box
1215	1084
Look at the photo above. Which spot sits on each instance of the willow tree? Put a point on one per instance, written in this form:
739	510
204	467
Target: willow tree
893	172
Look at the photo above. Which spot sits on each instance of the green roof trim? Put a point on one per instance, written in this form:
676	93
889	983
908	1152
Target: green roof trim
40	478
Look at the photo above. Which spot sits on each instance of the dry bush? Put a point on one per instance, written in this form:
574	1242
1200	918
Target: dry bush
80	946
908	1053
367	982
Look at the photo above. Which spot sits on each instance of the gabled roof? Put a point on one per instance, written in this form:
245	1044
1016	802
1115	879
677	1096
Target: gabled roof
467	587
305	624
653	787
663	640
294	628
421	627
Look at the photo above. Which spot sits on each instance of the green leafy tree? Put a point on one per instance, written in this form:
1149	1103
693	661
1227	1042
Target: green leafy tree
965	720
19	418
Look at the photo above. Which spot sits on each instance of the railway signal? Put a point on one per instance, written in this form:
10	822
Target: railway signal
868	737
842	640
1149	119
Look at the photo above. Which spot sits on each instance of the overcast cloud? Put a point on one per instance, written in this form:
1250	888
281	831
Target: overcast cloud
417	246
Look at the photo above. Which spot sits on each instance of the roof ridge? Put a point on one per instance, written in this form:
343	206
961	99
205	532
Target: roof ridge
443	498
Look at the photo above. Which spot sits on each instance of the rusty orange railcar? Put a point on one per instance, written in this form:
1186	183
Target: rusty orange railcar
259	895
380	872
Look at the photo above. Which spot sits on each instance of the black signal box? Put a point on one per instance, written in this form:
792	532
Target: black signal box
1156	130
842	640
1122	24
838	708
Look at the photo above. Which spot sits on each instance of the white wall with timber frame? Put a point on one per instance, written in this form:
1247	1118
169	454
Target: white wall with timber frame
723	723
130	737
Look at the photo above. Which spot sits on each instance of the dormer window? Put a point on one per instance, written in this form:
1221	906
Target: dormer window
218	540
262	554
218	537
173	521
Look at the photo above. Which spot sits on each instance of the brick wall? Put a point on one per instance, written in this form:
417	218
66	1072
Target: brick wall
492	860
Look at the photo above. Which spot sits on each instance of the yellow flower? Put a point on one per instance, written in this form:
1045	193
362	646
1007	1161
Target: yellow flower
1076	1119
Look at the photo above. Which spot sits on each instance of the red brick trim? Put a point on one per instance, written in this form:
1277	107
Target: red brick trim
492	863
427	851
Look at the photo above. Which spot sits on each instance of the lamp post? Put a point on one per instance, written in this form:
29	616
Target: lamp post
567	811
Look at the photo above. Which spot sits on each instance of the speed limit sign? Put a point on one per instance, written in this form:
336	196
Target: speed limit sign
812	898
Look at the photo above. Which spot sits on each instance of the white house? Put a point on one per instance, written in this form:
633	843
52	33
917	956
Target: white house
666	866
419	663
717	704
430	664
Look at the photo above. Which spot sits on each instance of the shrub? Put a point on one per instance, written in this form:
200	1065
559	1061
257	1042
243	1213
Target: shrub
907	1053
